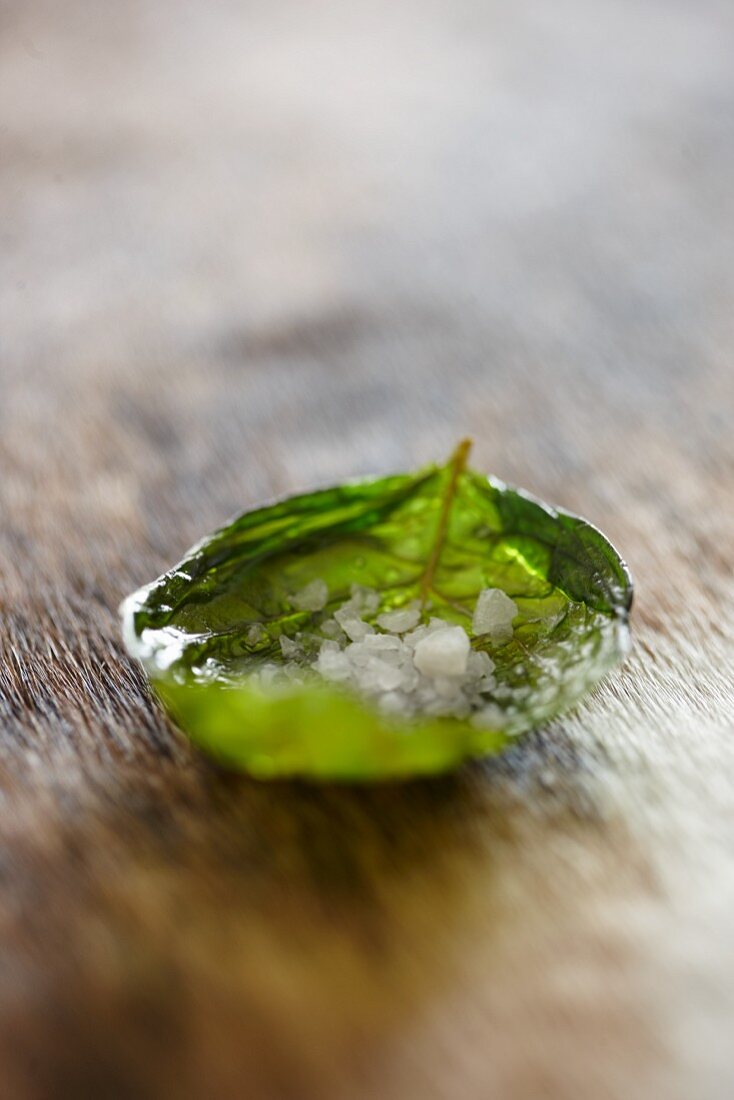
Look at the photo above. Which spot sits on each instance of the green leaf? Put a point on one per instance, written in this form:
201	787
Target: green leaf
440	535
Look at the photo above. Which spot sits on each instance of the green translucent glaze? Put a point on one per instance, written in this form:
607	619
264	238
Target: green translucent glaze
441	534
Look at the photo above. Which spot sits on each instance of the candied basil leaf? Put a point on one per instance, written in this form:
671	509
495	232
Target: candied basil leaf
437	537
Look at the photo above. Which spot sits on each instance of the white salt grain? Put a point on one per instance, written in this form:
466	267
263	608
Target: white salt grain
365	599
289	648
404	618
331	629
493	615
347	611
394	702
382	642
311	598
269	674
255	634
489	717
443	652
445	686
333	666
356	629
379	677
480	663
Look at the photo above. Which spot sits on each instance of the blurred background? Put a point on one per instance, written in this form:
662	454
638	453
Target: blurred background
250	247
367	198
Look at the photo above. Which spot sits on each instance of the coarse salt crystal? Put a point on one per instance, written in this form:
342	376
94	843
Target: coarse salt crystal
331	628
443	652
255	634
489	717
366	599
480	663
382	642
313	597
493	614
378	676
333	665
355	629
400	620
394	702
289	648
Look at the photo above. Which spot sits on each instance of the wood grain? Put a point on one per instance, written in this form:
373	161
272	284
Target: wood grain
250	248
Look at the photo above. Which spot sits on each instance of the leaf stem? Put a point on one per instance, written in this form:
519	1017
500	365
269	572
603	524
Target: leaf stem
456	465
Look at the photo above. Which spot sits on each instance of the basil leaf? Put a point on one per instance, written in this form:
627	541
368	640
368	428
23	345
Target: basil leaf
440	535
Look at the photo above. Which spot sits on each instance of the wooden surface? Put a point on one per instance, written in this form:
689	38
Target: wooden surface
247	248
